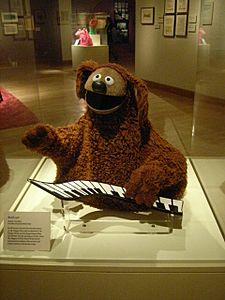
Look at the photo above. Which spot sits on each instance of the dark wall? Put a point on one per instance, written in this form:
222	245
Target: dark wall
47	31
93	6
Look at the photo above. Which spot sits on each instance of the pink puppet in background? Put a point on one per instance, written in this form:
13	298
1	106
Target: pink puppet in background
84	37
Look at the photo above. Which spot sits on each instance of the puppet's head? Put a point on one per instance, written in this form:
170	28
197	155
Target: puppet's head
109	87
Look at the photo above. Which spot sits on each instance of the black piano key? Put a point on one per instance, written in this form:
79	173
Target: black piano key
116	194
77	192
92	190
160	205
76	188
74	195
58	189
173	208
87	191
98	191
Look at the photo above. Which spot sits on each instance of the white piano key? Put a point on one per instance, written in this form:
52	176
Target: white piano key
51	188
77	184
68	189
179	204
90	186
98	186
73	185
83	184
59	189
166	202
107	188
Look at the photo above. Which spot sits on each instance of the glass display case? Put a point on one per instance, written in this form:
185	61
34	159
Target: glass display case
108	254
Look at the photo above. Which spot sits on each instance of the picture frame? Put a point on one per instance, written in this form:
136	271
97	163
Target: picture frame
192	27
147	15
170	6
182	6
207	13
169	25
10	29
17	6
192	19
9	17
181	25
29	23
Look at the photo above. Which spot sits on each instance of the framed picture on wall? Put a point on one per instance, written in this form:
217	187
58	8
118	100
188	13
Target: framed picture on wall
170	6
10	29
182	6
181	25
191	27
147	15
168	25
207	13
29	23
9	17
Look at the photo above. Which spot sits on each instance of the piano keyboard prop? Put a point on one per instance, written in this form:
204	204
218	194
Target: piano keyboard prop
70	191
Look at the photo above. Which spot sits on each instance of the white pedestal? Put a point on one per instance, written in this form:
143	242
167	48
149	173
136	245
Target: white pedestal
96	39
99	54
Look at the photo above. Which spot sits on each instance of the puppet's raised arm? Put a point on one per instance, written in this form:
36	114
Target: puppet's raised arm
53	142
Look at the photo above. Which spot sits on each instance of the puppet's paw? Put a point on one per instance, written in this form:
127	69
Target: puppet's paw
36	136
141	187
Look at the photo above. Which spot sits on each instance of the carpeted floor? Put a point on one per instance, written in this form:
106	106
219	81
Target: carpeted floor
13	113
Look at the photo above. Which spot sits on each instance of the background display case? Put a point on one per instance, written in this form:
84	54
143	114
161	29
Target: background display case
98	254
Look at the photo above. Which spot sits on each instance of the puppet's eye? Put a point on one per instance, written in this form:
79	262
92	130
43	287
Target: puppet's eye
109	80
97	77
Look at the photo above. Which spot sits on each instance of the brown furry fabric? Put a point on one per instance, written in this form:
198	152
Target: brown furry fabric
115	145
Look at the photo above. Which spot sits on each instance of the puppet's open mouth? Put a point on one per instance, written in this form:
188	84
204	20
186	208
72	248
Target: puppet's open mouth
103	104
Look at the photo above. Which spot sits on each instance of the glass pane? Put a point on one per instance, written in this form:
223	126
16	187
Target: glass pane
208	136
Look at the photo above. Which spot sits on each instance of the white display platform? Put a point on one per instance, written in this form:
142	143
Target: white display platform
192	249
96	39
98	53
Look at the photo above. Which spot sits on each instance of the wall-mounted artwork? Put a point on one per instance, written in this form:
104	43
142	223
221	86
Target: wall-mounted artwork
182	6
192	28
170	6
9	17
10	29
168	25
147	15
207	13
181	25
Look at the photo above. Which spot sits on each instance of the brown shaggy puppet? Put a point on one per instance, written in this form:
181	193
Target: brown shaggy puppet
114	141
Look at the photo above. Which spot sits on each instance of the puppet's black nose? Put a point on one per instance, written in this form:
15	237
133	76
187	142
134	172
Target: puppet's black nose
99	87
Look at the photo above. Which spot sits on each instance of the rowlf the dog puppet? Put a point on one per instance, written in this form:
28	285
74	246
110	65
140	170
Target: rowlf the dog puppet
114	141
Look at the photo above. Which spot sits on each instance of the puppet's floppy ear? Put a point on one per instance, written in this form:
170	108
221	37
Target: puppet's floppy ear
83	72
141	95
